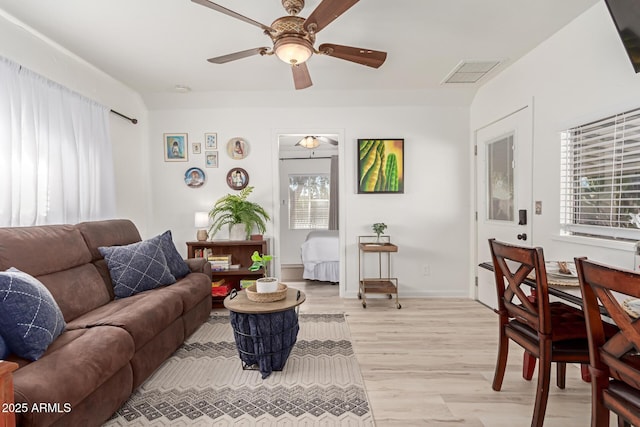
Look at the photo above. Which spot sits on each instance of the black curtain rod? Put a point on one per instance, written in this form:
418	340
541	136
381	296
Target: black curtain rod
134	121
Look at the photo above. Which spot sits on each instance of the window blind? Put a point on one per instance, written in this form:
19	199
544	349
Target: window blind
309	201
600	177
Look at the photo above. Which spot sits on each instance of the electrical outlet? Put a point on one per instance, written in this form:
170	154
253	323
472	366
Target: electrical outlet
426	270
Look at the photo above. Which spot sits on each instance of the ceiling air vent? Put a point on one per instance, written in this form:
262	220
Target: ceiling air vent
470	71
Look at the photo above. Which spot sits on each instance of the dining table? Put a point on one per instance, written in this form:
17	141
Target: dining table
565	288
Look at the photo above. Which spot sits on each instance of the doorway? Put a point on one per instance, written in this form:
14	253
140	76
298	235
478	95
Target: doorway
504	171
304	169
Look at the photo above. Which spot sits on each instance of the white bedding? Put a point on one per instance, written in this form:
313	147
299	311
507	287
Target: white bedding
321	256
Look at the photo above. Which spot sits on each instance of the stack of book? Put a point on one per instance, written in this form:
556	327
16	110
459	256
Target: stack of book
245	283
220	262
220	289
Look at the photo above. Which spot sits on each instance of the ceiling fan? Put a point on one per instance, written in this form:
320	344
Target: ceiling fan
315	141
293	38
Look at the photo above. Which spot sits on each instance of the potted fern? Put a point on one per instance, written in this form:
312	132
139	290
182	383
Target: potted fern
240	214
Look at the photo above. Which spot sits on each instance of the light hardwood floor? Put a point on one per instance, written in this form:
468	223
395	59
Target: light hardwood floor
431	363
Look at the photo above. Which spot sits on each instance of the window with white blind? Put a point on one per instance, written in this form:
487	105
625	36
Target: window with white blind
309	201
600	178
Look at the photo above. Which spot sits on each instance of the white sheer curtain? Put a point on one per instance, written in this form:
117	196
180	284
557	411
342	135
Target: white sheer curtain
56	164
334	195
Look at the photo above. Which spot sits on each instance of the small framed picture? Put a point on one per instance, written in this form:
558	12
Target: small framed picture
211	159
237	178
196	147
211	141
175	147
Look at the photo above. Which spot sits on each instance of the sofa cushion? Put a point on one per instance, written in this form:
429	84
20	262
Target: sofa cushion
191	290
176	263
77	290
73	367
137	267
110	232
143	315
40	250
30	319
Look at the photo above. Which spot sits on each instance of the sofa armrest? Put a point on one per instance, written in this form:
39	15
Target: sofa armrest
199	265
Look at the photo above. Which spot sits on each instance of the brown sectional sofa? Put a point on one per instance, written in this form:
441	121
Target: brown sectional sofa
110	346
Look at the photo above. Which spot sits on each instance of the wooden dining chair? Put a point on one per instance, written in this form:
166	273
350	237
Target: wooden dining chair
615	360
550	331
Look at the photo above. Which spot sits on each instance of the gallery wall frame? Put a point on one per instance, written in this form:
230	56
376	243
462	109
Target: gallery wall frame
380	166
176	147
194	177
211	141
238	148
211	159
237	178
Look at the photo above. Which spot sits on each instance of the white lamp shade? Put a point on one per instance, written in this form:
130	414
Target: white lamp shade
293	50
202	219
309	142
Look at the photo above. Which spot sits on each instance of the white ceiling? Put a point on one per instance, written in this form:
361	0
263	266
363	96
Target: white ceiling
154	45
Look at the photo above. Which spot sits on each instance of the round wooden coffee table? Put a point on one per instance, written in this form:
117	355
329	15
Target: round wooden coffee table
241	304
265	332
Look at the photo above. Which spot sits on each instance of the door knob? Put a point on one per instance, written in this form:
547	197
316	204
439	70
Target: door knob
522	236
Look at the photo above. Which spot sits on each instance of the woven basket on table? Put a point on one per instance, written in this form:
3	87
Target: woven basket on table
278	295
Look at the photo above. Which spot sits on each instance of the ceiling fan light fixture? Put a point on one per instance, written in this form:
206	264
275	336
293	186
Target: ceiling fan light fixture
293	50
309	142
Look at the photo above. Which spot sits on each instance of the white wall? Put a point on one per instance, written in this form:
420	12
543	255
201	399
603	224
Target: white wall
428	221
130	149
580	74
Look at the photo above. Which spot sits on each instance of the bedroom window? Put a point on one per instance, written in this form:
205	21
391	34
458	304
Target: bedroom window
309	202
600	178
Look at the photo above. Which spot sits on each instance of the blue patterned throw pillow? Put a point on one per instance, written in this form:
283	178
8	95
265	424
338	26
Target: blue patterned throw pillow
177	265
30	318
4	349
137	267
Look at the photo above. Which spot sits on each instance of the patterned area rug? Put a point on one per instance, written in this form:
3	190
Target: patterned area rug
203	383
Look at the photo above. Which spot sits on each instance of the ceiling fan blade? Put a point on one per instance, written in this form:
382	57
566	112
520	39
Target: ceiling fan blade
229	12
326	13
301	76
327	140
368	57
238	55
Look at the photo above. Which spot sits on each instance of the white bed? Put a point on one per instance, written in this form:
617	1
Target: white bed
321	256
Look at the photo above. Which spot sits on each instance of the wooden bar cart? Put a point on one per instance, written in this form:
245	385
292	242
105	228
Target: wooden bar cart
383	283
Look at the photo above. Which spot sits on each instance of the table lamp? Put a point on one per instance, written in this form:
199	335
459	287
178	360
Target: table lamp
202	223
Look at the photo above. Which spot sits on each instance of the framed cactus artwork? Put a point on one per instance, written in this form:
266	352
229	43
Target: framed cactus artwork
380	166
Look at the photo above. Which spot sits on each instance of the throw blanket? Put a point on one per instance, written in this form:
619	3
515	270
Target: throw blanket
265	340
